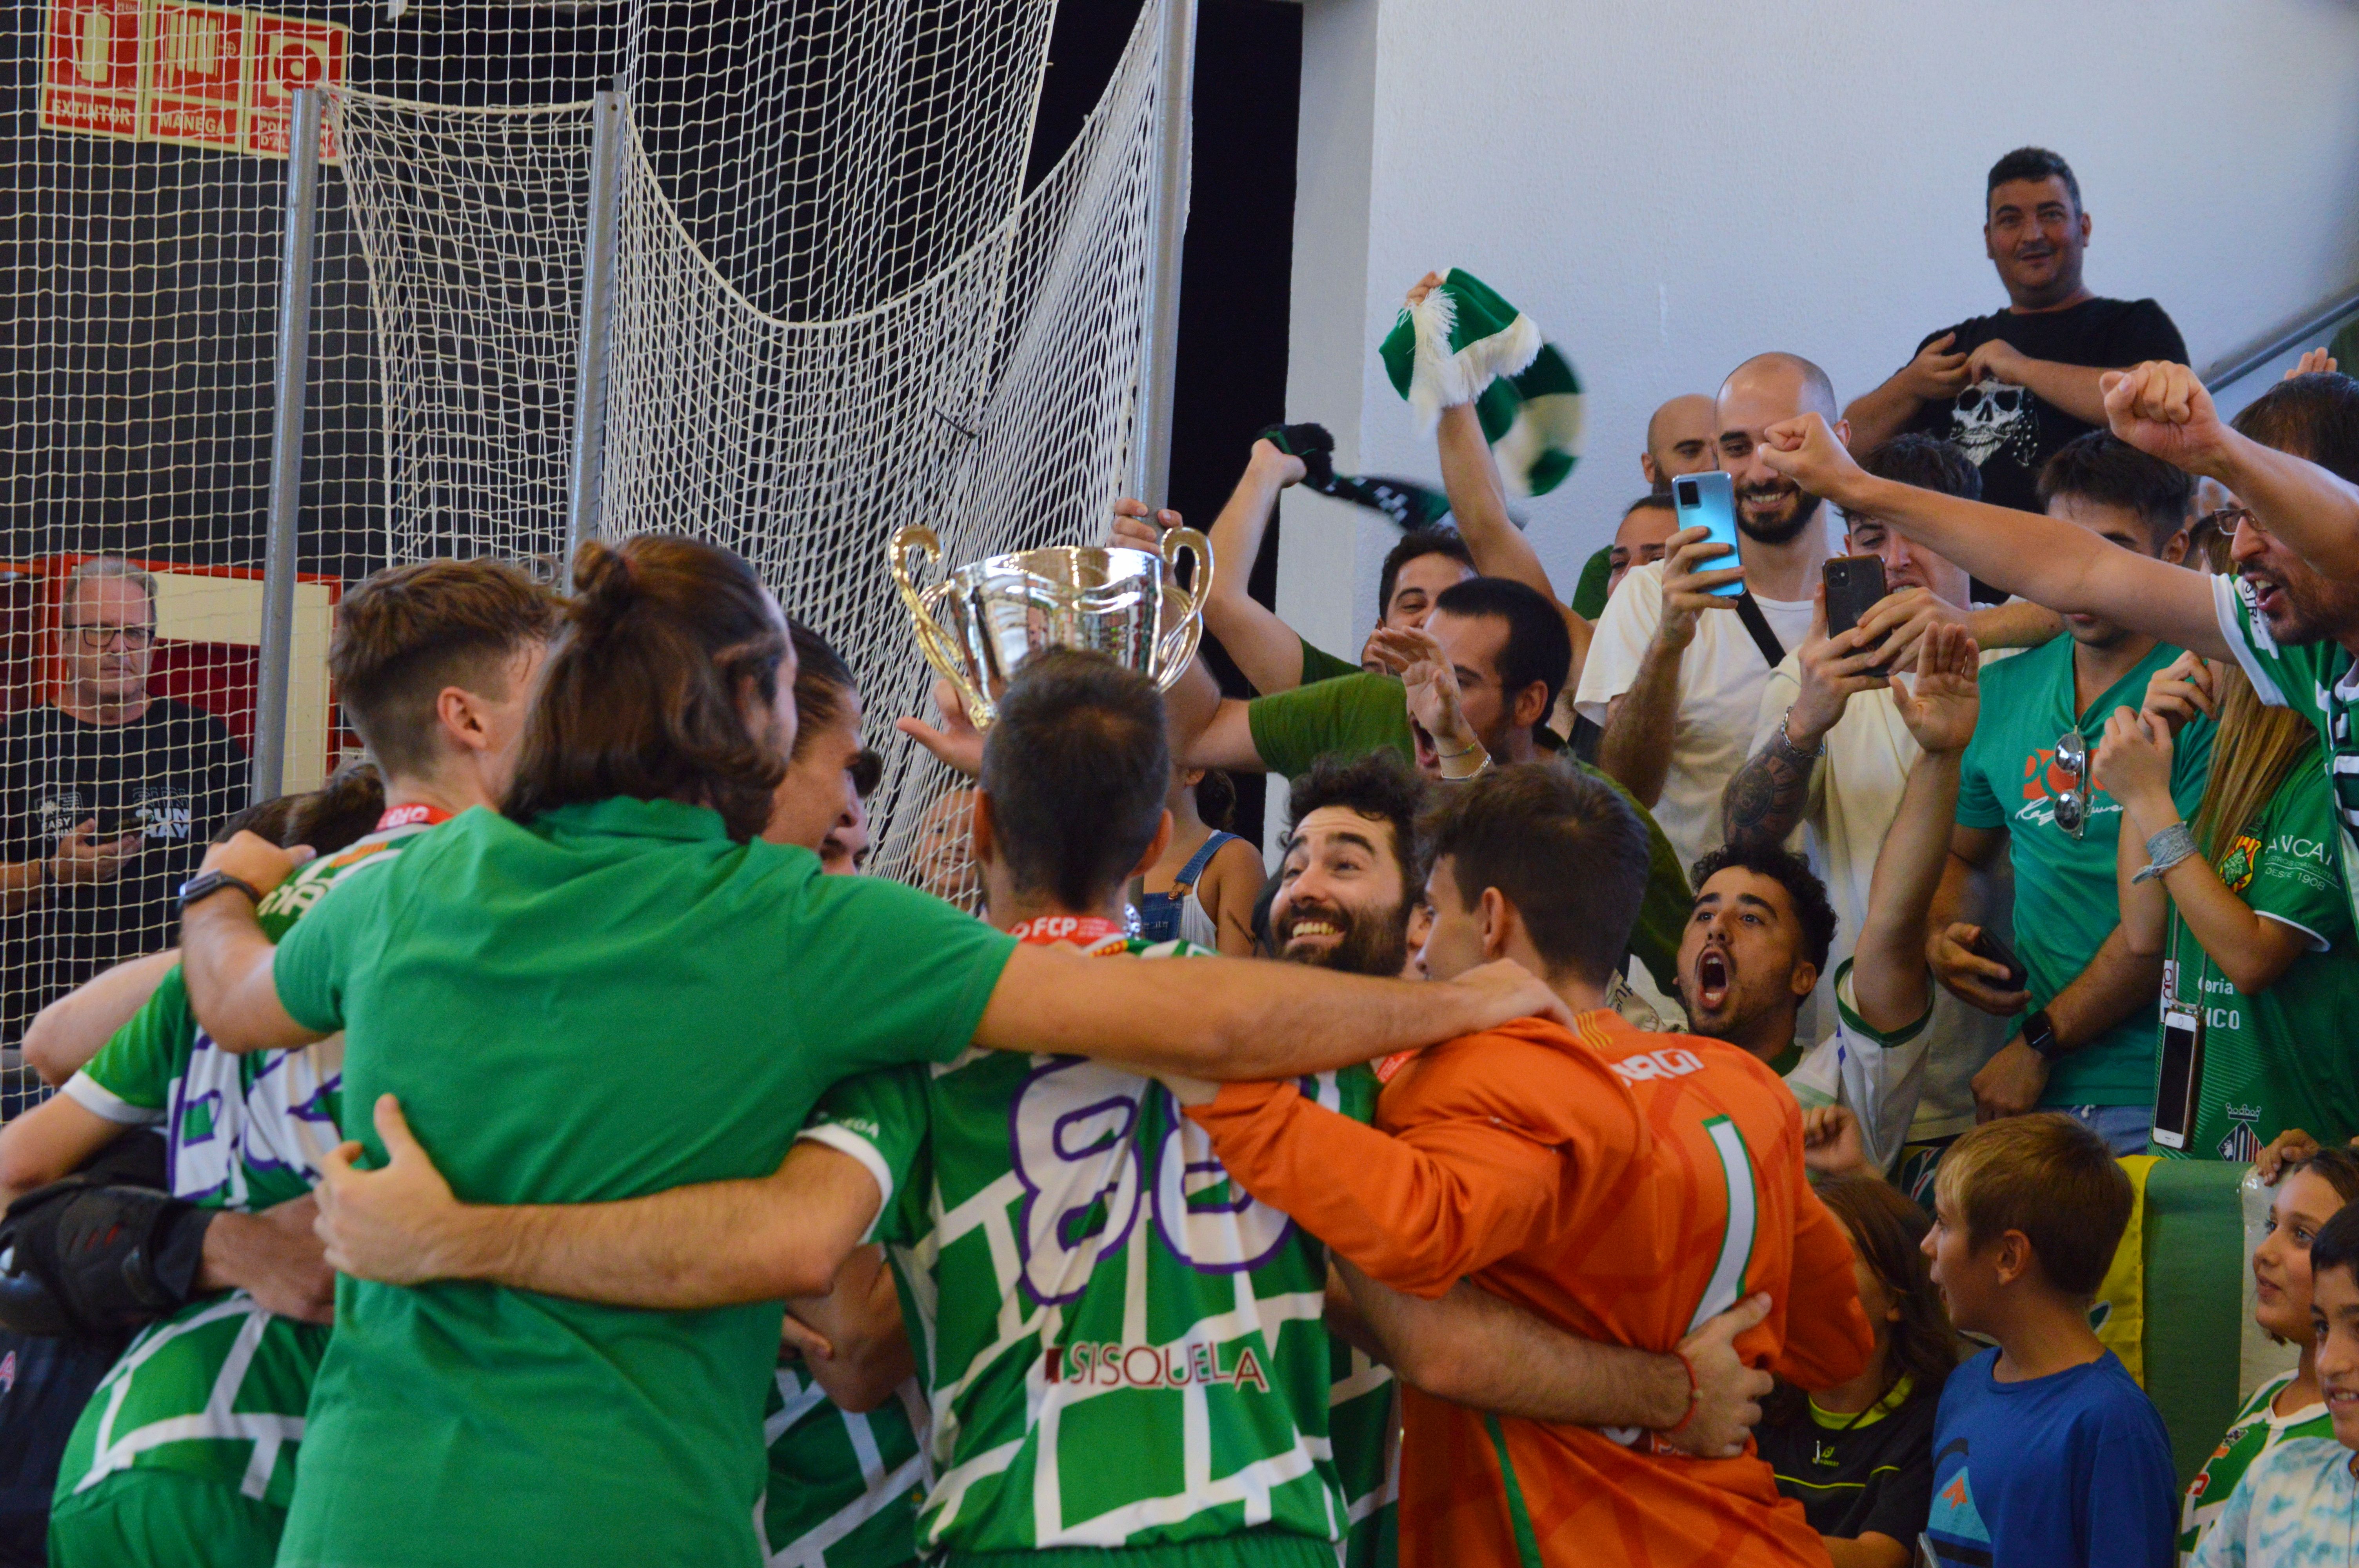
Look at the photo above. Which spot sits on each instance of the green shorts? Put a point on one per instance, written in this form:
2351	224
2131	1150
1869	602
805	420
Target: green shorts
163	1518
1248	1549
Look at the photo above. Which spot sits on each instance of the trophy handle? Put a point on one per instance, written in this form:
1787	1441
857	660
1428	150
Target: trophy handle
1178	645
935	643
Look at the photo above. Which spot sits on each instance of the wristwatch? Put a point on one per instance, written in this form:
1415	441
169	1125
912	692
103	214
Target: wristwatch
207	883
2039	1033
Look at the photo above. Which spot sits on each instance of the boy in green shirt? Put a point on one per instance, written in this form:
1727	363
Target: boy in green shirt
2084	1036
2289	615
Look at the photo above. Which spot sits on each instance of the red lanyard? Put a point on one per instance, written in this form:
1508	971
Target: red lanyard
409	816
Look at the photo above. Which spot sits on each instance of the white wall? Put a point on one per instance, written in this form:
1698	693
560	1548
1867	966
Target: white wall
1669	188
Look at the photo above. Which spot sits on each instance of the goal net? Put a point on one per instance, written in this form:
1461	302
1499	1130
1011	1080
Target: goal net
845	313
852	290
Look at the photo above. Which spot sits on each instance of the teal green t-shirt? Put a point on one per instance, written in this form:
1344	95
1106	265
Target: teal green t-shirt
1358	713
2065	902
613	1002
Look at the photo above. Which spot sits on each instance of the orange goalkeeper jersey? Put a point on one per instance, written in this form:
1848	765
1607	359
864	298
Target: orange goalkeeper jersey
1621	1185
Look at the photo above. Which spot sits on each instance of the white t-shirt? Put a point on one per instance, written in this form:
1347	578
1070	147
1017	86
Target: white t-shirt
1721	677
1855	796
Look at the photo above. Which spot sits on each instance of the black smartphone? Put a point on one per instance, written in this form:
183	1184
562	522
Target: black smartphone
2182	1076
1988	945
113	822
1855	585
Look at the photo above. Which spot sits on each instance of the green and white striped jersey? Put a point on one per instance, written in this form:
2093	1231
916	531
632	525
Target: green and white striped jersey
219	1388
844	1488
1363	1420
1123	1348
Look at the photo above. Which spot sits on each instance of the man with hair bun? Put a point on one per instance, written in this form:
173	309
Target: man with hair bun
605	1010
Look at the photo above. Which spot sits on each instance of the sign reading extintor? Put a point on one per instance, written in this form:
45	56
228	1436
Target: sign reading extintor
199	76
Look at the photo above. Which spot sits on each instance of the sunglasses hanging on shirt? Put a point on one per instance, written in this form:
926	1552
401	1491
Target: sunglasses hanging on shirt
2071	807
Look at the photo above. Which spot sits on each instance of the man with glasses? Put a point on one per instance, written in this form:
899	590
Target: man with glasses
107	797
2087	1042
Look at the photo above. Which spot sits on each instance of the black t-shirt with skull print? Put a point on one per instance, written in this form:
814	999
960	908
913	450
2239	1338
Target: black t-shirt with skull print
2007	431
173	776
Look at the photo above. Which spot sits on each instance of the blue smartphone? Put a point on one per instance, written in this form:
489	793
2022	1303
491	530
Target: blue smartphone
1708	500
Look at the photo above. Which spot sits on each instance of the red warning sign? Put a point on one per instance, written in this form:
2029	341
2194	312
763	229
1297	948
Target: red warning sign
93	60
178	72
196	76
289	53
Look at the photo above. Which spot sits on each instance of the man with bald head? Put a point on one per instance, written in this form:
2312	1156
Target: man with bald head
1675	672
1679	440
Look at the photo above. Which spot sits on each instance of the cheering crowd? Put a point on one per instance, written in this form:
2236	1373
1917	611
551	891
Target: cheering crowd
1666	1106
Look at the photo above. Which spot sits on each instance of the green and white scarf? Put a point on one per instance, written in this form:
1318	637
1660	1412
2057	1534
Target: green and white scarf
1465	343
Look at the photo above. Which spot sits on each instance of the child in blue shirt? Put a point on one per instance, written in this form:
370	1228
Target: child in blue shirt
2046	1453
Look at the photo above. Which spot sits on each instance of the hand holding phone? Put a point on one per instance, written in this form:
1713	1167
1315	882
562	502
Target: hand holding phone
1854	586
1708	500
1987	945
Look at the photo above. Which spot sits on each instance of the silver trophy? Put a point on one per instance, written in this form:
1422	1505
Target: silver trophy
979	623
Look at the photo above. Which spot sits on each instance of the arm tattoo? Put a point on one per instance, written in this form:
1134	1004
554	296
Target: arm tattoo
1767	798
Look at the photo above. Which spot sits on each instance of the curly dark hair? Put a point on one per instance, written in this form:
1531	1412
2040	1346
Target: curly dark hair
1790	871
1379	785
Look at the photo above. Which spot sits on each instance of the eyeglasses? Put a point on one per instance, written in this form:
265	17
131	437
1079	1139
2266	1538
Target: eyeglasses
2227	520
97	636
2072	808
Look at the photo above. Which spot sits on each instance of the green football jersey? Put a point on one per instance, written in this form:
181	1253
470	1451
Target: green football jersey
2256	1431
2317	681
2276	1059
220	1387
1123	1348
843	1487
1364	1422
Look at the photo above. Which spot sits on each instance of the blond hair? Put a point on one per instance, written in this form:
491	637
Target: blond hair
2049	1177
2255	750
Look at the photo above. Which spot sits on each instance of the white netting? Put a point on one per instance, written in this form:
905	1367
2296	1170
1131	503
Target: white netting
969	361
854	290
471	222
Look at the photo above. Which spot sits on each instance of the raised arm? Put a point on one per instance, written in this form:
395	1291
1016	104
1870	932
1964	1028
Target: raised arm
1239	1018
1265	647
2059	565
1890	985
2161	409
1470	474
64	1035
2134	766
716	1244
